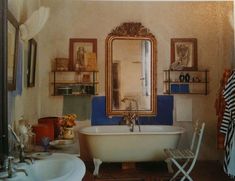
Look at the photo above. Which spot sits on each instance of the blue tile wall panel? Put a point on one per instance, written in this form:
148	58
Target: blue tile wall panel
164	112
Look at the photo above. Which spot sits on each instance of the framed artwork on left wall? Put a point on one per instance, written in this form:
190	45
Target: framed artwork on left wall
32	57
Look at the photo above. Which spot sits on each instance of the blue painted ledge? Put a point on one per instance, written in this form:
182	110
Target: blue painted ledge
164	112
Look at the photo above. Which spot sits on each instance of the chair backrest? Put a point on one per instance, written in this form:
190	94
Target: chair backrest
196	142
197	138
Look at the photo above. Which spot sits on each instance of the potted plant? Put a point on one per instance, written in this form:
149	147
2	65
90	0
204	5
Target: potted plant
67	122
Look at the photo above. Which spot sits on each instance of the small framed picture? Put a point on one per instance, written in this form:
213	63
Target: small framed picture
86	78
184	53
82	52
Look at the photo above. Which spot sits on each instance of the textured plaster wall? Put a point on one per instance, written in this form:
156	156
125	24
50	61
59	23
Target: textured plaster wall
206	21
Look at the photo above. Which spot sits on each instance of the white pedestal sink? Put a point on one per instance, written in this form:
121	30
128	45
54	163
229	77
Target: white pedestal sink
57	167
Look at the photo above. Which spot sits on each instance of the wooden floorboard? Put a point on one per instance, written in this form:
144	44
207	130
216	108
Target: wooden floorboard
154	171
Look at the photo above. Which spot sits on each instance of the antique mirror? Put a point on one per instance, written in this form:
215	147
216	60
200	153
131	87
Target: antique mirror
130	70
12	54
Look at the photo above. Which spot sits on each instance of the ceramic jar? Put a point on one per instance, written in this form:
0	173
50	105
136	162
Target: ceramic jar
68	133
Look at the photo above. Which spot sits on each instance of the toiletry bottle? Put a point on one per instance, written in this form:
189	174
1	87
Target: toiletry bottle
187	78
181	77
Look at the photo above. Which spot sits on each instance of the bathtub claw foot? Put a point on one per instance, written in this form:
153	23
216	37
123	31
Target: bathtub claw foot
97	163
169	165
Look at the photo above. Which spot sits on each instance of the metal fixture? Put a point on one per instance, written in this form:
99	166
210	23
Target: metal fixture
20	147
10	168
131	118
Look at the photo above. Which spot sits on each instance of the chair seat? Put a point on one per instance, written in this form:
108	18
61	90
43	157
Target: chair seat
179	153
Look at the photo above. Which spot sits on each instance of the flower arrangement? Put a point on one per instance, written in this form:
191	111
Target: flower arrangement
68	120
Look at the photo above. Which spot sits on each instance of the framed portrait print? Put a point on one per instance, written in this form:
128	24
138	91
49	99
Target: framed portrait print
32	57
184	53
12	50
82	54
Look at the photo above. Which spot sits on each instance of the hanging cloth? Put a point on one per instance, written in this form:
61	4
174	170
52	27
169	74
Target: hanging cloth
228	126
220	107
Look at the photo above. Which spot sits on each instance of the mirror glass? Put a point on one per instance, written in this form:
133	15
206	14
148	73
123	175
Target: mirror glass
12	54
11	47
131	73
130	70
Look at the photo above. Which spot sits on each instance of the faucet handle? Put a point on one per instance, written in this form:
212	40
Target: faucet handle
10	166
10	160
11	169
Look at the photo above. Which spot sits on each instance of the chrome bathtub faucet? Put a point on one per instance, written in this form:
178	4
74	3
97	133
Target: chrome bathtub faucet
131	118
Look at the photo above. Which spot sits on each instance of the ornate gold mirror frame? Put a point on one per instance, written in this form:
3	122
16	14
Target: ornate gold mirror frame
125	33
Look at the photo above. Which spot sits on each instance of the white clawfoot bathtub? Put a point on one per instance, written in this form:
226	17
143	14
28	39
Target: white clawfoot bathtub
118	144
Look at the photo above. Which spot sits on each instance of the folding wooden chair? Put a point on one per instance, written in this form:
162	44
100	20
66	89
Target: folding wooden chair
188	155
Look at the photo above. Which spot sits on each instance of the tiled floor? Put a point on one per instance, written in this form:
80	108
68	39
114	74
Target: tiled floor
203	171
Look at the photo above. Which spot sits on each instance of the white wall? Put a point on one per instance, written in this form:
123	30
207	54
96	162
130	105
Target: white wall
206	21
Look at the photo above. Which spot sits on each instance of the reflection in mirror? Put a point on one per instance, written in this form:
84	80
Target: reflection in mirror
13	40
131	73
130	70
11	48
